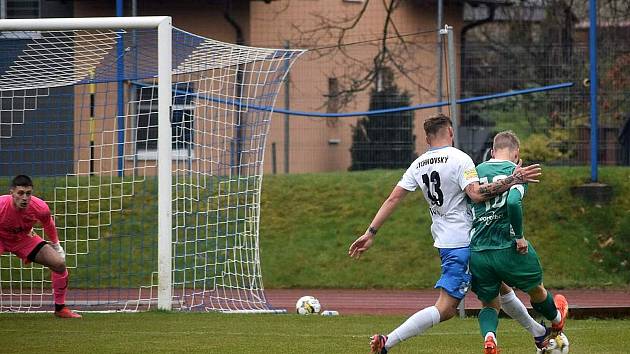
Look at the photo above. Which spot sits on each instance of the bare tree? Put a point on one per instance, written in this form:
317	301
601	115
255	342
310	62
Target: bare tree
392	49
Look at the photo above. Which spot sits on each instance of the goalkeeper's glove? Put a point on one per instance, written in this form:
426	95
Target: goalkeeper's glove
57	247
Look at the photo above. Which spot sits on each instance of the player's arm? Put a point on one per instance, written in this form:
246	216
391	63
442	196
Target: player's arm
364	241
514	205
479	193
515	211
48	223
50	229
388	207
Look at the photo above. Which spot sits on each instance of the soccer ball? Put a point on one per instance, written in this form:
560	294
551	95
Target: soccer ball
557	345
307	305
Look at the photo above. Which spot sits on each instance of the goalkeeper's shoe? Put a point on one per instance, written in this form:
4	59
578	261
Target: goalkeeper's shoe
563	307
66	313
490	346
377	344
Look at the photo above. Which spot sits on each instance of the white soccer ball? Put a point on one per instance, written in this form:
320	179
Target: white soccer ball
557	345
307	305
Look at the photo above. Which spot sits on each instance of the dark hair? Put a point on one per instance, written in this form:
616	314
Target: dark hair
435	123
21	181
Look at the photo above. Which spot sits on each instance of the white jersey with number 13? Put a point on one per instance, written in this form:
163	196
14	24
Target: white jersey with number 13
442	174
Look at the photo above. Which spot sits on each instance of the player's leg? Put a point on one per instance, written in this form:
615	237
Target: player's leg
453	285
525	272
45	255
514	308
486	284
444	309
488	324
554	308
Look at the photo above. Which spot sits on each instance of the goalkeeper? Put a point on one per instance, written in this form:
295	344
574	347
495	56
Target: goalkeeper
500	253
19	211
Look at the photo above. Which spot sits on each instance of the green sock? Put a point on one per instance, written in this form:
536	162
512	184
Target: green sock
488	321
547	308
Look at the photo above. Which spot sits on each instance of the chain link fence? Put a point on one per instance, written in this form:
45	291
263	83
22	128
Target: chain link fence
555	126
501	47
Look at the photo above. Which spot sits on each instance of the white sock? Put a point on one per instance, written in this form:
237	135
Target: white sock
416	324
491	335
515	309
557	319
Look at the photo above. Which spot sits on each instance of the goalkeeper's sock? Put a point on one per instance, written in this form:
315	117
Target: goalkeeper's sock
547	308
415	325
60	284
515	309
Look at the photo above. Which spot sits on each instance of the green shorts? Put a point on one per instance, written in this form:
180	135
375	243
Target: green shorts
491	267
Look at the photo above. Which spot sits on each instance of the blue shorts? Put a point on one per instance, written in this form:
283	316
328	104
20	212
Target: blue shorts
456	277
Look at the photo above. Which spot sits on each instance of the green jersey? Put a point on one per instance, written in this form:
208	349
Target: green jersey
493	221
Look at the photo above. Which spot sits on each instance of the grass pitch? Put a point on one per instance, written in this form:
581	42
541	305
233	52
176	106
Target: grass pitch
161	332
308	222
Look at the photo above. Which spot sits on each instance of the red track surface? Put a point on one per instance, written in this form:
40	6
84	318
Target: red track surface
582	303
406	302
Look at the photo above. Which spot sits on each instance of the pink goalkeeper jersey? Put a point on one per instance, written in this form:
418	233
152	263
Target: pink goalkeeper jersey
16	222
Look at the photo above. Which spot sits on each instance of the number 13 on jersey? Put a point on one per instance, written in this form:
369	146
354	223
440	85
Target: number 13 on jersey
434	193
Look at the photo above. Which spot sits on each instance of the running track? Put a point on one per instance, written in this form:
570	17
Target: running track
582	303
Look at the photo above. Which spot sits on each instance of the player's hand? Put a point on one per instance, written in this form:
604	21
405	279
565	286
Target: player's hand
521	245
527	174
57	247
360	245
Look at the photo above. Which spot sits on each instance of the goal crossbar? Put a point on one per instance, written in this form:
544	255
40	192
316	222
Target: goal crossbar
60	24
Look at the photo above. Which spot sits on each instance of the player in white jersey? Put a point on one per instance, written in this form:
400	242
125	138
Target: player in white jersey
446	177
443	173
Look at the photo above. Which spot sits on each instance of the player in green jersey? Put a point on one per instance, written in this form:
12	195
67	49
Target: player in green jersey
500	253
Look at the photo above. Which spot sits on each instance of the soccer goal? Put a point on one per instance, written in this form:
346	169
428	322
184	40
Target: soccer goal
147	142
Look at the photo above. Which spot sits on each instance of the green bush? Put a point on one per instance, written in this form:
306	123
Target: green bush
540	148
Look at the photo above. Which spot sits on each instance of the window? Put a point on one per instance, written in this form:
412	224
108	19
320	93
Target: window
181	121
23	9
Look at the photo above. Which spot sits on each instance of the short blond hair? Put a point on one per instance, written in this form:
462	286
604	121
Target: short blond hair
506	139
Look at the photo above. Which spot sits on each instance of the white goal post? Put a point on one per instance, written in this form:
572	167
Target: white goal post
150	130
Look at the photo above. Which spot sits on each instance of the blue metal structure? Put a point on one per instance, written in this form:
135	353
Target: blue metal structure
592	43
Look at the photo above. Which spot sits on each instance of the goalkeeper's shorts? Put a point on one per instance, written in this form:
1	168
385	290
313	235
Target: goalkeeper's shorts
491	267
25	247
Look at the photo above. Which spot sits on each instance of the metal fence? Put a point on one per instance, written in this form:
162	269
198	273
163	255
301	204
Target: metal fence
554	127
498	56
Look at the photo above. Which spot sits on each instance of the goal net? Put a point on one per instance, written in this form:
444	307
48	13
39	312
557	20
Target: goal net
147	143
